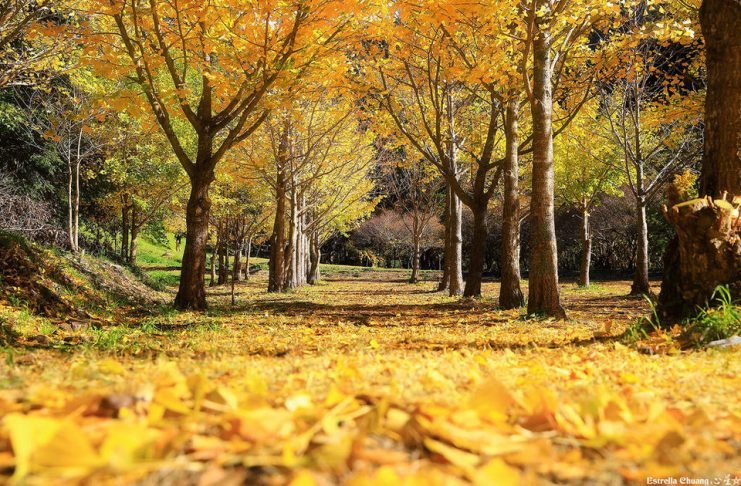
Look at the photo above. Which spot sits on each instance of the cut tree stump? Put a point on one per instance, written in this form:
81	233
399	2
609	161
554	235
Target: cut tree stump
705	253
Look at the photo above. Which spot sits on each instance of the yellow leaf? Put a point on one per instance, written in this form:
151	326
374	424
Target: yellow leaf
111	367
462	459
126	444
303	478
27	434
41	442
497	473
492	401
168	398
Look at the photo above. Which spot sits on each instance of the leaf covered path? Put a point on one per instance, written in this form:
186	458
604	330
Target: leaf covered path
366	380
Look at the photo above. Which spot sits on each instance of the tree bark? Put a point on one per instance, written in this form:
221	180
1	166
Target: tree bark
247	253
77	204
70	212
455	286
237	268
721	165
315	256
478	252
445	279
125	207
641	284
416	248
223	230
277	239
706	252
192	291
510	294
291	280
586	248
212	282
543	295
135	227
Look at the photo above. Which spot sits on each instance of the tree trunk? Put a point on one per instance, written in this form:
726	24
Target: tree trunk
416	248
706	252
77	205
292	249
135	227
543	295
456	245
640	279
586	248
223	230
237	268
247	252
721	163
125	228
192	291
212	282
237	253
315	256
455	286
278	239
445	279
510	294
478	252
70	212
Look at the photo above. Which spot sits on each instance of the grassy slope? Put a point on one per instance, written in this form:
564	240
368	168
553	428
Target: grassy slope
41	287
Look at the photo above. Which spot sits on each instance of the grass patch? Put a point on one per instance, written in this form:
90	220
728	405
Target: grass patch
717	322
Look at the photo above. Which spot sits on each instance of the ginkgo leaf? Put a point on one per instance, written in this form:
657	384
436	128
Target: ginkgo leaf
46	443
492	400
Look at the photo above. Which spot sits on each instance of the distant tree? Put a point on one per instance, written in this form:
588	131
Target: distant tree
416	190
385	234
655	124
586	168
146	175
68	119
299	156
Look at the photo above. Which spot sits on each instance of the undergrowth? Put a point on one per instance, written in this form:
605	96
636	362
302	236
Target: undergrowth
714	322
719	319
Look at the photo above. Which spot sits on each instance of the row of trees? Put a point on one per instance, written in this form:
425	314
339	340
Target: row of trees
292	109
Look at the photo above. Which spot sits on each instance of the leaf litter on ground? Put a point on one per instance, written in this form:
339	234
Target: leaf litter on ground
367	382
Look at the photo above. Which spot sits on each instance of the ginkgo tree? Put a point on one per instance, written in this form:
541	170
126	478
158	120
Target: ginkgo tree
146	174
300	154
706	252
421	80
650	112
209	72
586	168
556	59
33	41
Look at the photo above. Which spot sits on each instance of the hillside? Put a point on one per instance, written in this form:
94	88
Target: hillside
43	289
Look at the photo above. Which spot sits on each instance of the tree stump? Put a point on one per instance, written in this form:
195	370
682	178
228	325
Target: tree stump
705	253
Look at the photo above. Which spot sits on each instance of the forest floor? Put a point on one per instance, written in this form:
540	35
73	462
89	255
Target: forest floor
365	379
